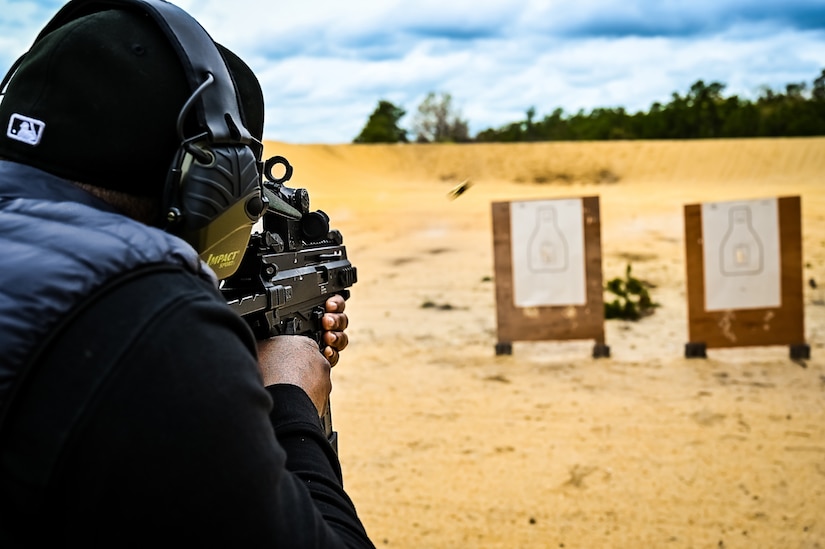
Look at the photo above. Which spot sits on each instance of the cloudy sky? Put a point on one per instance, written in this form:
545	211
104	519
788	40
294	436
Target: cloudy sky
325	64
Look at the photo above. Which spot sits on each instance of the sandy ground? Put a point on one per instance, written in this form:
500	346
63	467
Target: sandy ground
445	445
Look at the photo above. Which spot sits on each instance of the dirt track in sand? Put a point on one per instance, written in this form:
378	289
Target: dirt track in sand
446	445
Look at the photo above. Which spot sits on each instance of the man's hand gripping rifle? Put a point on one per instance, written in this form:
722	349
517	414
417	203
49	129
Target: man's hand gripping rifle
290	268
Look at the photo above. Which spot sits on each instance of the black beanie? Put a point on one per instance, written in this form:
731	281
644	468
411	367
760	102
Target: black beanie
97	101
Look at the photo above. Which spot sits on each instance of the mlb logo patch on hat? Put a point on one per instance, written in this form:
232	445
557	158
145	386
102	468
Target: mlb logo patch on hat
25	129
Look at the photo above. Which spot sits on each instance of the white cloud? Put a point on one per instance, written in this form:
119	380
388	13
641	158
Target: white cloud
325	64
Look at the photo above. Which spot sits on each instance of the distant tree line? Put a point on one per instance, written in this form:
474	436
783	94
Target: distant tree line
703	112
437	121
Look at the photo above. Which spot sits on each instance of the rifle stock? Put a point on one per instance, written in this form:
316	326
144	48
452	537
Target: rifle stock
290	268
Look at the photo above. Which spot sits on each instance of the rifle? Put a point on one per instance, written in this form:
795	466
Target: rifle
290	268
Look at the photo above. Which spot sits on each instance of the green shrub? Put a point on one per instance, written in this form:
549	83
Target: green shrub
631	299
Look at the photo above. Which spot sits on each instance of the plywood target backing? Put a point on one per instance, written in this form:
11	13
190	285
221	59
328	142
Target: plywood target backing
744	283
578	312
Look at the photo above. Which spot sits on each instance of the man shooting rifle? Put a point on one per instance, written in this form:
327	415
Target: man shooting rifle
137	408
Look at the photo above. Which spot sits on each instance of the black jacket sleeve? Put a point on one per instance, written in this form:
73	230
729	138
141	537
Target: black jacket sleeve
181	443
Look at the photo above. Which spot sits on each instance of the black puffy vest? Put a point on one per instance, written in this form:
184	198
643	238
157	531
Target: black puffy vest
59	244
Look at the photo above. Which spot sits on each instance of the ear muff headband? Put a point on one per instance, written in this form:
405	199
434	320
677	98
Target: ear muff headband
217	109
